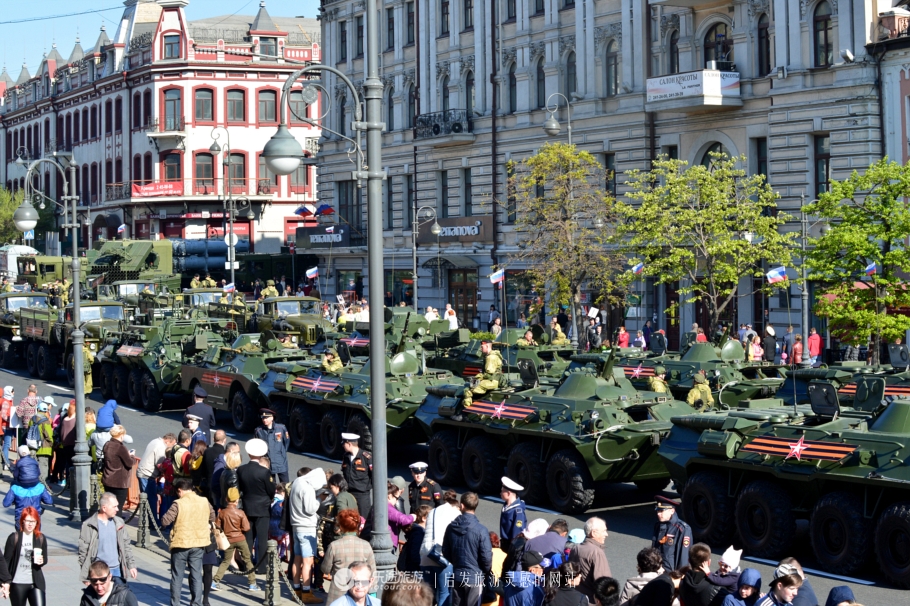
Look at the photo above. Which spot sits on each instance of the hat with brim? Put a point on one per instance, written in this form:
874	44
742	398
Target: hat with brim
349	437
400	482
256	447
770	330
663	502
265	412
511	485
199	392
577	535
23	451
531	558
193	418
49	401
418	467
782	571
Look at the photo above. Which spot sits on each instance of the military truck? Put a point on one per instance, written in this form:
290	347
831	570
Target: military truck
755	472
298	317
11	340
40	270
135	261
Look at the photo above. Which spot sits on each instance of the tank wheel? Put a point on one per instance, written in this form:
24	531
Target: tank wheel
31	359
303	429
708	509
243	412
481	465
149	393
892	544
764	519
360	424
70	371
841	535
44	364
445	458
134	388
119	384
569	483
524	466
7	354
330	428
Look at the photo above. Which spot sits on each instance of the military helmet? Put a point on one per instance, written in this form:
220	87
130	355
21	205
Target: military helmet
699	378
660	370
270	283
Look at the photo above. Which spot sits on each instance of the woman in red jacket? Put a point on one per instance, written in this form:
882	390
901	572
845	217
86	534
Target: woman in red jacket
622	339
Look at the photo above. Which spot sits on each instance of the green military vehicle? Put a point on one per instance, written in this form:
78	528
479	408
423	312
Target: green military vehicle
754	472
38	271
133	261
11	340
558	442
405	330
298	317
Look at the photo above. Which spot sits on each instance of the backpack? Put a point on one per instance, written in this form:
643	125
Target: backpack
165	469
33	438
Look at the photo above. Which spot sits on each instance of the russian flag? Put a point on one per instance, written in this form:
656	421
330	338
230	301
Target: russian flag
307	210
498	276
325	209
229	287
330	229
121	229
778	274
871	269
312	272
638	268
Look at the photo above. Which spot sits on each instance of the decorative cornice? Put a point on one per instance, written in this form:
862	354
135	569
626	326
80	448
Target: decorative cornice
757	7
538	50
804	6
467	64
388	81
611	31
410	76
442	69
340	90
509	55
668	22
566	44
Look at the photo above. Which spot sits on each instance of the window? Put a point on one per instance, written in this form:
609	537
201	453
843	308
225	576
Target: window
118	114
359	52
510	10
350	205
568	4
268	101
709	158
513	90
172	167
673	152
764	46
511	198
444	91
540	189
205	173
538	7
443	193
76	129
612	69
673	59
147	106
172	110
387	197
137	169
204	110
821	27
541	85
268	47
822	163
237	172
468	12
299	178
147	167
412	108
236	106
443	17
761	156
85	125
343	41
409	201
108	117
718	46
94	113
265	175
172	47
571	77
390	110
410	11
467	193
610	174
469	94
390	28
342	119
297	106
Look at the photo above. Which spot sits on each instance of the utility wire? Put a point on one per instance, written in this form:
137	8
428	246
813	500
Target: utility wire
97	10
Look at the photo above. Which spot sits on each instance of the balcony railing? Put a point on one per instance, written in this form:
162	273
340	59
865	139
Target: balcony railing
169	124
200	186
442	124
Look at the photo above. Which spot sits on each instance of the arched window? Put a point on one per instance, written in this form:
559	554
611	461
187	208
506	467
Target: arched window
673	58
205	173
513	90
708	160
571	76
342	119
821	26
718	45
390	107
612	60
541	85
764	46
444	91
412	107
469	93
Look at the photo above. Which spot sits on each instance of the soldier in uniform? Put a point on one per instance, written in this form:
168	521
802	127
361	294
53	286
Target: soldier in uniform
672	536
196	282
7	287
657	383
276	436
86	369
66	291
700	397
208	282
512	520
423	490
527	340
330	362
237	300
357	469
492	371
285	340
269	290
224	300
557	337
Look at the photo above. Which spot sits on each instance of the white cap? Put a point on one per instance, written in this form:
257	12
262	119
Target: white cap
193	418
24	451
536	528
349	437
256	447
731	557
49	401
418	465
512	484
770	330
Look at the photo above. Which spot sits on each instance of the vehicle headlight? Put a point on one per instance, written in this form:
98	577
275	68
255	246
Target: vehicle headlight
293	339
91	346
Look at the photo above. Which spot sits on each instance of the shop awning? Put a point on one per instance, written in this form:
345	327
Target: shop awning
450	262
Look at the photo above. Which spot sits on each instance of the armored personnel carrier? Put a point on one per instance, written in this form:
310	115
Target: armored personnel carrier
754	472
298	317
11	339
557	443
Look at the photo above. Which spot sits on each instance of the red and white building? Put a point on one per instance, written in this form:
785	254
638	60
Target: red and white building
140	111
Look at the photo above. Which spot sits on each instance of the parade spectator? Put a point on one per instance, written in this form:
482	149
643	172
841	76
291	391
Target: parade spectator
103	591
493	587
806	596
727	573
28	406
841	595
228	482
523	587
7	410
606	592
100	438
276	516
410	558
26	554
590	557
564	591
361	582
202	410
213	454
466	544
646	332
451	317
44	447
304	517
769	344
191	517
401	590
755	350
345	551
496	328
650	566
747	591
107	416
696	589
64	443
785	586
639	340
700	336
788	342
104	537
234	523
814	344
622	337
662	590
438	573
797	356
197	471
27	491
116	466
258	488
397	520
552	542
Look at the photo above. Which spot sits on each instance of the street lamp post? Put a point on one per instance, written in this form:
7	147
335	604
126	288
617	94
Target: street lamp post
435	229
227	199
804	295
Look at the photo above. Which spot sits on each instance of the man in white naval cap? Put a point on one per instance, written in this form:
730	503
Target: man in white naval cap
423	490
357	469
512	520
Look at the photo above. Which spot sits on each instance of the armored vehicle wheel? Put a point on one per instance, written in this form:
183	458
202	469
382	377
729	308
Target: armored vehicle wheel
330	428
444	457
524	467
134	388
148	390
44	364
31	359
892	544
707	508
70	371
120	387
764	519
651	487
303	429
840	534
243	412
482	467
7	354
360	424
107	381
569	483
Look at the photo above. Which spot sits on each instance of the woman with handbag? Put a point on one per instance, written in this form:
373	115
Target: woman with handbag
26	555
116	464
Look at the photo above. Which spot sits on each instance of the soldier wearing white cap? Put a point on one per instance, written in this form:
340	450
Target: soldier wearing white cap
192	423
357	469
423	490
258	488
512	520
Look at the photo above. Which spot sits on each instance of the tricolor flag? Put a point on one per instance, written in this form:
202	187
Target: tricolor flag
325	209
229	287
778	274
638	268
871	269
497	276
312	272
121	229
330	229
307	210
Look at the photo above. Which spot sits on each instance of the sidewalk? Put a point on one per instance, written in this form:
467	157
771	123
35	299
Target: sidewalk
152	587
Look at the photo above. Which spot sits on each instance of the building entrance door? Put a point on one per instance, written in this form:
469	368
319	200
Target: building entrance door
463	294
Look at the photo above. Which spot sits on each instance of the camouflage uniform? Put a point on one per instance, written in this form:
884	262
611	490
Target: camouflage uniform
224	300
489	380
559	338
195	283
522	342
269	290
7	287
209	283
334	365
700	392
657	383
86	369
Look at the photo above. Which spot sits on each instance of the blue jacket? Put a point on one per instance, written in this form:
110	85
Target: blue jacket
26	472
278	440
466	544
750	577
512	521
806	595
107	416
523	589
23	497
839	594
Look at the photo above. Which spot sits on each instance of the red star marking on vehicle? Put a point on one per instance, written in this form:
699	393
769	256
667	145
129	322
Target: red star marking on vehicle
216	380
796	449
497	412
637	372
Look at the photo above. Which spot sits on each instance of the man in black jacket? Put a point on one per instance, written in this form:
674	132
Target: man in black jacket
466	544
203	411
208	465
769	344
258	489
695	589
101	585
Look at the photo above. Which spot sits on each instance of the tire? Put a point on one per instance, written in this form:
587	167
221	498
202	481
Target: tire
892	544
107	381
651	486
569	483
31	359
481	465
445	458
70	371
841	535
764	520
120	385
360	424
44	363
149	393
707	508
7	354
303	429
524	466
243	412
134	388
330	427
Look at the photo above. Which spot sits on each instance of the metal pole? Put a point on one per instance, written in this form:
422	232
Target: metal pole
414	229
231	205
380	540
804	297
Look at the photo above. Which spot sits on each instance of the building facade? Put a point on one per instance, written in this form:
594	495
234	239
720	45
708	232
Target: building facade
468	84
140	112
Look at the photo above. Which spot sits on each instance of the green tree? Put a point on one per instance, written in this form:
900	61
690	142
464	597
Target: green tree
705	227
869	222
9	202
563	221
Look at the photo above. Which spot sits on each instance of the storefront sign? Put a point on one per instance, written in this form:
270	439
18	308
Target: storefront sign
163	188
458	229
708	82
321	237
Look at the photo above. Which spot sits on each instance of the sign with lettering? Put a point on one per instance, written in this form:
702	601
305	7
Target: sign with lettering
323	236
162	188
458	229
707	82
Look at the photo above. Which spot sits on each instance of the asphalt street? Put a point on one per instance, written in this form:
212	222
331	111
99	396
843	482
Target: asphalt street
629	513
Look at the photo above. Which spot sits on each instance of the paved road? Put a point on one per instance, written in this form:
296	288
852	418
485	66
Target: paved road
628	512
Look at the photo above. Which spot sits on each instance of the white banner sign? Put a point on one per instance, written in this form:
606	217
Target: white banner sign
709	83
